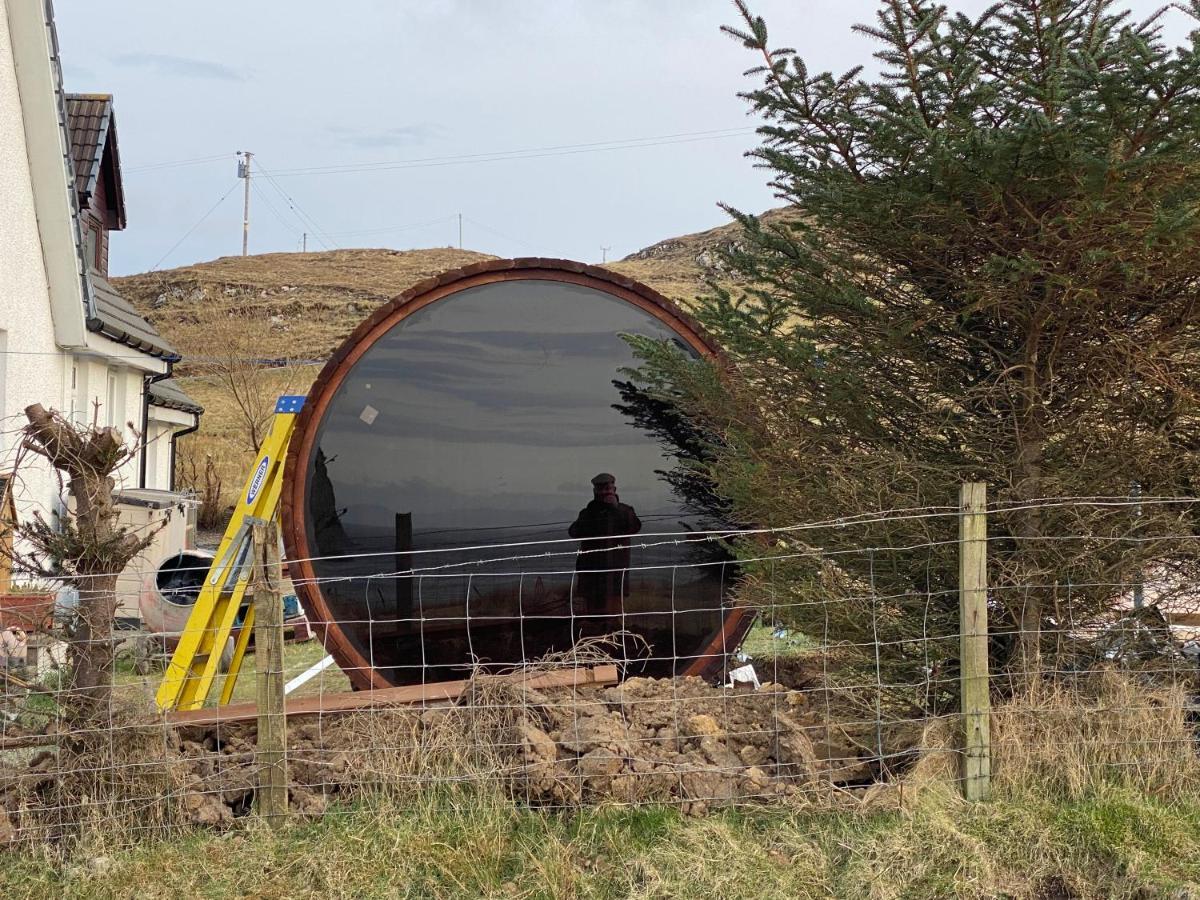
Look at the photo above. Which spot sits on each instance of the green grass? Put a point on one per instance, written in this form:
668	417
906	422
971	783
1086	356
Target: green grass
456	843
296	658
762	644
1077	812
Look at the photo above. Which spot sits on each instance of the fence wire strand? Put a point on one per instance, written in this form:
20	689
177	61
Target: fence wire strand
512	674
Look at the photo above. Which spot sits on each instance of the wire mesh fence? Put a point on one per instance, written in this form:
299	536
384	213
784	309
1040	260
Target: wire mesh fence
819	663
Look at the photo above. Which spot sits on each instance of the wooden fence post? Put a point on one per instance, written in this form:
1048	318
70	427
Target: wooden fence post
973	630
271	754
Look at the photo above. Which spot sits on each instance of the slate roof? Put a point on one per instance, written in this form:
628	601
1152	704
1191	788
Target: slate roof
88	117
116	318
169	394
91	127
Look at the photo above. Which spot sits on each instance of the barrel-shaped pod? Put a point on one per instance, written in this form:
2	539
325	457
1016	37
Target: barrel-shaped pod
475	479
170	589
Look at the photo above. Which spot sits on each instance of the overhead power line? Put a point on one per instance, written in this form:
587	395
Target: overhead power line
683	137
266	200
387	228
508	237
199	222
199	160
306	220
528	153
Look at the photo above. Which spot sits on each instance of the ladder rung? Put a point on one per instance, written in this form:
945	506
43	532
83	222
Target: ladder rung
229	575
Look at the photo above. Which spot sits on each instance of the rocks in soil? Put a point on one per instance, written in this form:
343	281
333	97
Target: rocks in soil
681	739
645	740
663	740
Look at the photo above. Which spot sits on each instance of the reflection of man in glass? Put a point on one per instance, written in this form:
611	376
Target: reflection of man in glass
603	527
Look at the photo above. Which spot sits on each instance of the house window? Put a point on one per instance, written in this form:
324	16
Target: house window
77	396
112	415
4	385
94	246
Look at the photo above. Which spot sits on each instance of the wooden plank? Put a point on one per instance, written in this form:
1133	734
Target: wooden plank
25	741
1183	618
973	629
271	755
436	693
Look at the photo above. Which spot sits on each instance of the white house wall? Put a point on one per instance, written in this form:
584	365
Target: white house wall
32	364
158	455
92	388
31	90
164	422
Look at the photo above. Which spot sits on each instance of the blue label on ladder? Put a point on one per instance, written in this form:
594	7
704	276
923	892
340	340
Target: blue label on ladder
256	483
290	403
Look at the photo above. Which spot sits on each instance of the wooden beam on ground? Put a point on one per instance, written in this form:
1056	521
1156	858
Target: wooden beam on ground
438	693
25	741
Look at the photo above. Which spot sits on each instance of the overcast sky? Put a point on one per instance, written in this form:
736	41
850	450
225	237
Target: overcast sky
345	89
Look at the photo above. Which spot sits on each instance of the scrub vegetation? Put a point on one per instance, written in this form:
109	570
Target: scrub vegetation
1070	818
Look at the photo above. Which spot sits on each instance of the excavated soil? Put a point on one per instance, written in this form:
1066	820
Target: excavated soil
645	740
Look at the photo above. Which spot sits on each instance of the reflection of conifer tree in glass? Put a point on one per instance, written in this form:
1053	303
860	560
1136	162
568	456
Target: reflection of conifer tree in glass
691	448
327	525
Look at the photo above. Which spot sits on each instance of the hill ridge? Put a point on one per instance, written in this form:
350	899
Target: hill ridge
313	300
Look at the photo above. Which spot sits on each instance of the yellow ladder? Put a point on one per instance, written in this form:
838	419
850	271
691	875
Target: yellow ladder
195	662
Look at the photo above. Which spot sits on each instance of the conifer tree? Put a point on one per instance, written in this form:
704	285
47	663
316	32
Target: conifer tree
988	270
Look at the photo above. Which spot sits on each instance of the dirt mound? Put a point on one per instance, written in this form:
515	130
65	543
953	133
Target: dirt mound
659	740
664	740
645	740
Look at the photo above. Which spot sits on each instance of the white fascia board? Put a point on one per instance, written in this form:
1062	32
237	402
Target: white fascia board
175	418
39	85
113	353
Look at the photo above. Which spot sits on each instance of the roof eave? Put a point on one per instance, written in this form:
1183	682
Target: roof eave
97	325
118	182
94	173
178	407
48	148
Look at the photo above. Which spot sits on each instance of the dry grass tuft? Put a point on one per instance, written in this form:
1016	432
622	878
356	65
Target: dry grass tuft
1106	730
934	774
478	744
101	786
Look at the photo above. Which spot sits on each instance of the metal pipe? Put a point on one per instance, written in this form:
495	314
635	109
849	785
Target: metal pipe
176	435
147	381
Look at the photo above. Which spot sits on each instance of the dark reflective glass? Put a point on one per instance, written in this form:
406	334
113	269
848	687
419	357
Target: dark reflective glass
476	426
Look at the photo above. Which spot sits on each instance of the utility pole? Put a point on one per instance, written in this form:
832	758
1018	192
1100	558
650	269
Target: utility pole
604	254
244	174
460	231
304	242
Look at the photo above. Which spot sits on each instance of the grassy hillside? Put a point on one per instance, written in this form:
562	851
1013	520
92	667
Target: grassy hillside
300	306
681	267
307	301
313	300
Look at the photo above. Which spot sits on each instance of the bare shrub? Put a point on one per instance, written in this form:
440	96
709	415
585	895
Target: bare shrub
88	550
197	472
243	366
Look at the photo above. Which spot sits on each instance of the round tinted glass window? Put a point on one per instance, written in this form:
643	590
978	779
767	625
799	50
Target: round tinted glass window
486	484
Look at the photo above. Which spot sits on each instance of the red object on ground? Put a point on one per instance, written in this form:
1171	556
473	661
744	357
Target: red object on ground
32	611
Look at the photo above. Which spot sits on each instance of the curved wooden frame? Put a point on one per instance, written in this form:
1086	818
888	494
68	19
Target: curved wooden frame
295	481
